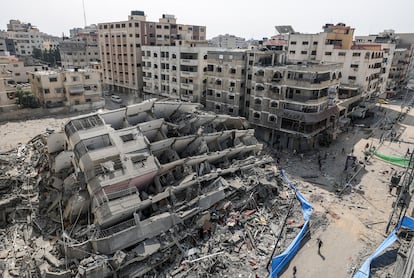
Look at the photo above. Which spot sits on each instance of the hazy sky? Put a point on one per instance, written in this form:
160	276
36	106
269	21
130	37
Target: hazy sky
248	19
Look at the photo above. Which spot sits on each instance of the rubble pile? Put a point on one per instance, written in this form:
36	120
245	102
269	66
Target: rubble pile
24	251
157	188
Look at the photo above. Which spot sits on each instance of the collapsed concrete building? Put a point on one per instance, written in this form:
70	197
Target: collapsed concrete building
158	187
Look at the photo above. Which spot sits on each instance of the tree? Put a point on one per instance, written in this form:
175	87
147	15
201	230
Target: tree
26	99
37	53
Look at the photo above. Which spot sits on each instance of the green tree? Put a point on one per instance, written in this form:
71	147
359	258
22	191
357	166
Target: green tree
37	53
26	99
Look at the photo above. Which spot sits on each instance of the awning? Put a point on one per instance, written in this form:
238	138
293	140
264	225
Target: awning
76	89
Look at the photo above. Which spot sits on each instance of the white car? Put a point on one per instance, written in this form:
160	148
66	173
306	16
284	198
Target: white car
116	99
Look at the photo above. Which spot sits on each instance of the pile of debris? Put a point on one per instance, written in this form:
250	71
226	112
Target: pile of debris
157	188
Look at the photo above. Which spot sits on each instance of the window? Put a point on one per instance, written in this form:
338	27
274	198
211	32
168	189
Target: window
328	53
218	95
304	52
256	115
315	43
272	118
341	53
354	66
232	70
292	52
292	42
313	52
218	69
257	101
231	97
305	43
46	91
274	104
217	107
52	79
127	137
351	77
218	82
87	77
356	54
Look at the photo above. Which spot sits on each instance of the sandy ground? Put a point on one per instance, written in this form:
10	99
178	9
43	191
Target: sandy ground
357	219
13	133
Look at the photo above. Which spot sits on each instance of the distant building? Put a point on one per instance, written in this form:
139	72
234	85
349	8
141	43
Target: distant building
23	37
67	88
228	41
120	46
81	50
3	48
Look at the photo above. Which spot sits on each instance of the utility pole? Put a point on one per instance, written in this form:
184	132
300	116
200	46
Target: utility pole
84	13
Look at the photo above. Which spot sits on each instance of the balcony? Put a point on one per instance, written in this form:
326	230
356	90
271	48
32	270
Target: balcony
147	79
188	62
307	100
187	86
308	84
189	73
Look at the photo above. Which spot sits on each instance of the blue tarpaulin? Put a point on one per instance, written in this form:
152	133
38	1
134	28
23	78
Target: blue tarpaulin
280	261
365	270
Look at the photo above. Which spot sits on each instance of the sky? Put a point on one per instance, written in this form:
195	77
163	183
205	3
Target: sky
244	18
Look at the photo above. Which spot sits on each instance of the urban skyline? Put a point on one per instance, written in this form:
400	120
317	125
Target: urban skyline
233	17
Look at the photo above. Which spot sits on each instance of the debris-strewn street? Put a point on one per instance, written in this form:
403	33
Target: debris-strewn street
191	197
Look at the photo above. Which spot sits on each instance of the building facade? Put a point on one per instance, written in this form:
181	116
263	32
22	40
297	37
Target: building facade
82	49
7	91
120	46
228	41
226	84
67	87
175	71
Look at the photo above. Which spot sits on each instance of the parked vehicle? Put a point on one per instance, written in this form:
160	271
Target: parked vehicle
116	99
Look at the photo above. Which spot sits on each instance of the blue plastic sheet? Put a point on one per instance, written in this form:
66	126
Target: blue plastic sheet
280	261
365	270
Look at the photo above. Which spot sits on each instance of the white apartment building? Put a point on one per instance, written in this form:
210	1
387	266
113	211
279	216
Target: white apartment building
228	41
364	69
67	87
120	46
24	37
175	71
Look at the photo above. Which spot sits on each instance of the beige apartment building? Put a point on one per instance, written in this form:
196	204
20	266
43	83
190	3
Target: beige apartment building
67	88
18	69
120	46
175	71
226	81
7	91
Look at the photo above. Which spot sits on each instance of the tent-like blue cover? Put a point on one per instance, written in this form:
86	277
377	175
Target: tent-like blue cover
280	261
365	270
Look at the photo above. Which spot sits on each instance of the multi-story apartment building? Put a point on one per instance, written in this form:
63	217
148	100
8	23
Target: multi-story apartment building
3	48
293	105
67	87
7	90
23	37
226	74
82	49
228	41
175	71
364	69
120	46
18	69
